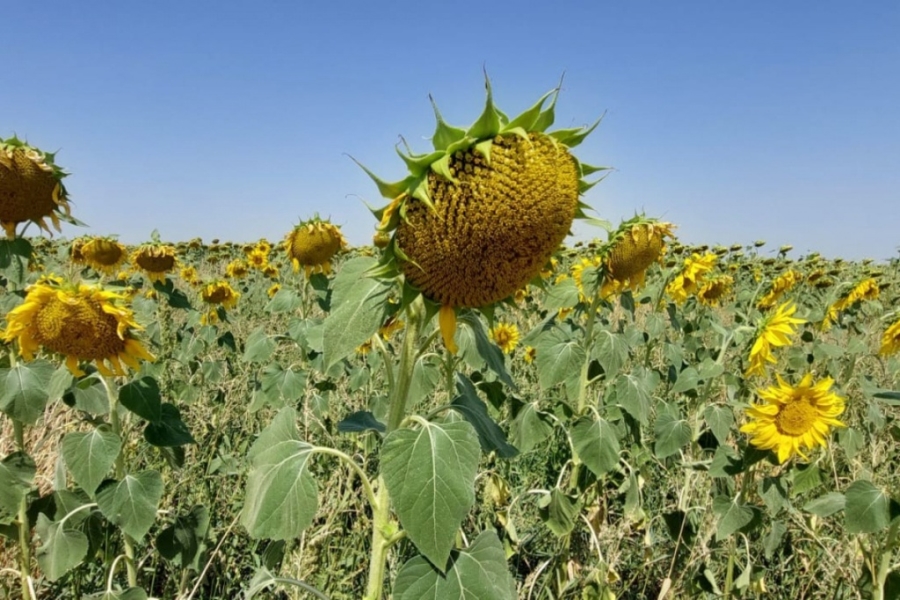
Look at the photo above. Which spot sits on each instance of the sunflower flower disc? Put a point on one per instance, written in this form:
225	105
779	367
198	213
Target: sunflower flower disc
80	322
155	260
313	245
103	254
31	187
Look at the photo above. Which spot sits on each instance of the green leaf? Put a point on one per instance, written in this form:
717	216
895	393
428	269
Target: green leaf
361	421
129	594
687	380
88	395
259	347
14	257
143	398
771	490
490	353
281	498
563	294
430	476
284	300
559	512
16	476
672	432
851	440
471	407
720	420
444	134
131	503
61	549
530	427
60	382
180	543
357	318
90	455
804	478
725	463
773	539
559	357
476	573
867	508
596	444
174	297
827	505
633	393
170	430
611	349
733	515
284	385
23	390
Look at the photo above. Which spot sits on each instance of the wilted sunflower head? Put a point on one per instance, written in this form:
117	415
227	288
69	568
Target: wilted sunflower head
31	187
478	217
219	293
637	244
155	260
103	254
80	322
313	244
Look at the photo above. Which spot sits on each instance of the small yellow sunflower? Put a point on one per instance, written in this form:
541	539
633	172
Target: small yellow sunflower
264	246
890	340
31	187
775	331
237	269
217	293
258	259
313	244
155	260
529	355
691	277
715	289
637	244
578	273
864	290
794	418
505	335
273	289
782	284
103	254
189	275
80	322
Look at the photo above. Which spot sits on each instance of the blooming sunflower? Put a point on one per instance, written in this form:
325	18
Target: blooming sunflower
273	289
529	355
313	244
103	254
782	284
890	340
479	217
691	277
637	244
505	335
715	289
237	269
864	290
80	322
189	275
793	418
258	259
155	260
775	331
217	293
31	187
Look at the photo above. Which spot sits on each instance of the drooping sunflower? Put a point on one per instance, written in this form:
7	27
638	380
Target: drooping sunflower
715	289
479	217
774	331
75	254
505	335
313	244
79	322
638	243
793	418
189	275
866	289
890	340
155	260
31	187
103	254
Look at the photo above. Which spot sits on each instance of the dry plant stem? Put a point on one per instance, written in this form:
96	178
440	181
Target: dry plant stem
382	536
116	425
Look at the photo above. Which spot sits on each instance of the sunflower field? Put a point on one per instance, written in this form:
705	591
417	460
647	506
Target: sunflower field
467	408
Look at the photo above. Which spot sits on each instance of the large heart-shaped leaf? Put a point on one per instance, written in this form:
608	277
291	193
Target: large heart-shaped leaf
90	455
596	444
131	503
61	549
430	476
23	390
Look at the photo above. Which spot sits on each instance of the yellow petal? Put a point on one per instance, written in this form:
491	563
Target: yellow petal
447	321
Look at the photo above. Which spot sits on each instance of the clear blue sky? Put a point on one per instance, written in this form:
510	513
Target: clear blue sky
736	120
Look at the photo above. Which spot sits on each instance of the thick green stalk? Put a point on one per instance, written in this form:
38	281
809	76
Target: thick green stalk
24	524
382	536
120	472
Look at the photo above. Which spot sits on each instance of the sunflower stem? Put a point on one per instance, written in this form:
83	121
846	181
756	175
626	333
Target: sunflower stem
584	380
382	535
115	423
24	524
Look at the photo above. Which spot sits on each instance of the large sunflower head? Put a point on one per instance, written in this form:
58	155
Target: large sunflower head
80	322
104	254
313	244
794	417
479	216
31	187
155	260
637	244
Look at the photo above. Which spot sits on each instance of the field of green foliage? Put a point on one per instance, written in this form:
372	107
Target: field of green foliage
584	441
